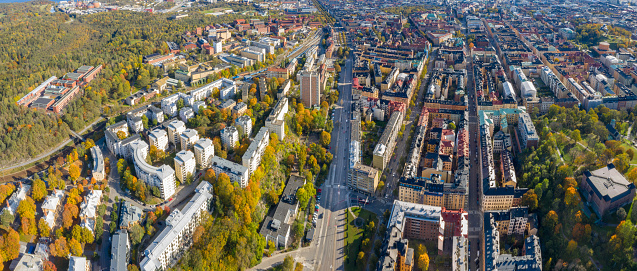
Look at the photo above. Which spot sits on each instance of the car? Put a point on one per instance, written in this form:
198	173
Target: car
171	199
319	190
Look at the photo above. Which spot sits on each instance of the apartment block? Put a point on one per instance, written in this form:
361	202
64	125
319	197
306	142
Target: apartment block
162	177
363	178
276	120
252	157
174	130
159	139
310	88
97	170
184	164
387	141
278	227
88	209
528	136
176	237
188	138
491	259
237	173
244	125
204	150
229	137
120	251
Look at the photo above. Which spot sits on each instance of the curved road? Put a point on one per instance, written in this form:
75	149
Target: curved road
52	151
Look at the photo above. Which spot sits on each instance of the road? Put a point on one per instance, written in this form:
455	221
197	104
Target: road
52	151
326	252
475	189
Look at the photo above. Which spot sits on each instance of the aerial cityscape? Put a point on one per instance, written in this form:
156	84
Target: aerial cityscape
318	135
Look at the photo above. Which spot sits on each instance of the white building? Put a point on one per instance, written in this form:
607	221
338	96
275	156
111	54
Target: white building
88	209
204	150
198	105
175	238
159	139
161	177
174	129
19	195
252	157
169	104
236	172
276	120
186	113
244	124
188	138
225	86
50	206
218	46
97	170
229	137
79	264
184	164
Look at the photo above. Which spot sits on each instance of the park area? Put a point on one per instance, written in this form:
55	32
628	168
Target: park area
360	234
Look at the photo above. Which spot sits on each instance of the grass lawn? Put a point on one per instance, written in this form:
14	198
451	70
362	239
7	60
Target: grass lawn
354	236
214	10
628	146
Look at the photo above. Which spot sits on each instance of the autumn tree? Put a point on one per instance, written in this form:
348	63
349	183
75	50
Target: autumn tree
49	266
43	227
325	138
196	236
423	261
38	190
59	248
74	172
550	220
75	247
303	196
571	197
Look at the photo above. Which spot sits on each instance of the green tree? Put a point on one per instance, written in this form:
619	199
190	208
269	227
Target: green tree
529	199
38	190
136	234
288	263
303	197
43	227
325	138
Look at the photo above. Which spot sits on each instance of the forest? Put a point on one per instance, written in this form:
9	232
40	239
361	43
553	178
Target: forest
39	44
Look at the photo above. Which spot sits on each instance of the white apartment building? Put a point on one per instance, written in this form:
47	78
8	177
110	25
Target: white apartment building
252	157
244	123
218	46
159	139
229	137
188	138
98	170
225	86
174	129
236	172
88	209
184	164
197	105
162	177
175	238
204	150
276	120
186	113
169	104
19	195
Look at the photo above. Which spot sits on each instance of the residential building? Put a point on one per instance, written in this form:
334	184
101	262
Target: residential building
511	222
244	125
120	251
239	109
176	237
363	178
188	138
237	173
159	139
97	171
491	259
606	189
229	137
27	262
174	129
528	136
184	164
310	88
162	177
203	151
186	113
50	205
120	147
276	120
460	254
387	141
88	209
129	215
169	104
277	228
252	157
22	190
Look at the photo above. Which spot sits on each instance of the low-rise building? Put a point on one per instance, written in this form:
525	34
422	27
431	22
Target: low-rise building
176	237
277	228
129	215
252	157
184	164
204	150
606	189
237	173
19	195
50	205
88	209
